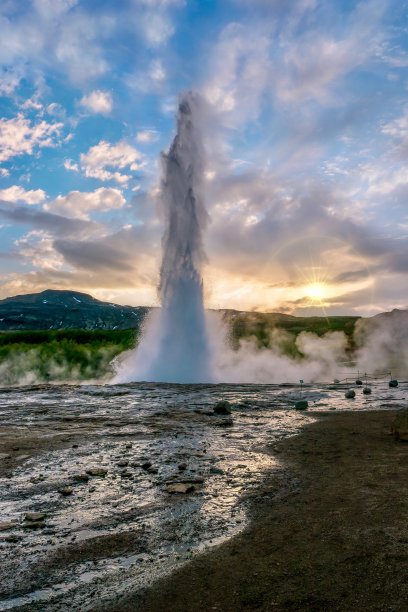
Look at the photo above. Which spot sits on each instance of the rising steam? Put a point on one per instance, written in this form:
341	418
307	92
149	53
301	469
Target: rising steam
175	346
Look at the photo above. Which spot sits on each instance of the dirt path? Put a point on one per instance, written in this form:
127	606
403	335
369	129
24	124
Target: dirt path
335	539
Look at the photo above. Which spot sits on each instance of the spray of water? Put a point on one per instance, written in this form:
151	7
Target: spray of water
174	345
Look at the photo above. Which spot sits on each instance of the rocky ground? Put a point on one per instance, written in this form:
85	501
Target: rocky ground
106	491
332	537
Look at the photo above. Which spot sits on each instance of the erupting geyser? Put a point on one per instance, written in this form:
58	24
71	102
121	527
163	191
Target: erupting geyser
174	346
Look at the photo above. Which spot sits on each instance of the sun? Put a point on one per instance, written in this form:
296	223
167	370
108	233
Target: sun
317	291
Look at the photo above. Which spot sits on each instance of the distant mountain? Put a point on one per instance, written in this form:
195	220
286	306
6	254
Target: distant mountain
53	309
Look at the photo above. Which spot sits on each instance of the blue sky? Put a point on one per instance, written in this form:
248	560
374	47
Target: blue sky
306	136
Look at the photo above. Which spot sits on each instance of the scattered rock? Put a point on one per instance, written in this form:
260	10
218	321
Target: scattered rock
128	445
182	467
6	525
34	520
12	538
215	470
122	463
350	394
35	516
4	456
393	383
367	390
222	407
81	477
180	487
66	491
146	465
152	470
301	405
399	427
359	382
97	471
126	474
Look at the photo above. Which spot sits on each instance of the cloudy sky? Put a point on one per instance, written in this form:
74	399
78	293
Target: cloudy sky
307	139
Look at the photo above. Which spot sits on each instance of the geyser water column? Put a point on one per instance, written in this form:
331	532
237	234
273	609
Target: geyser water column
175	346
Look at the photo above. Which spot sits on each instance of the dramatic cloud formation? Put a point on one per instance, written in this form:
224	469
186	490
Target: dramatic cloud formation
306	128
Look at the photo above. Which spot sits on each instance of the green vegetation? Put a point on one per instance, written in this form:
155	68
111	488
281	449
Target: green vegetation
28	357
270	329
65	355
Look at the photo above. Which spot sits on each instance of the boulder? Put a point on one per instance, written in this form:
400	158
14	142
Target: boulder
222	407
350	394
399	427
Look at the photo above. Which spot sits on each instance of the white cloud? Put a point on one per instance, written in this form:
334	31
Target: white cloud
239	80
37	247
147	136
104	160
154	20
98	101
10	77
398	128
79	204
32	103
18	136
15	193
70	165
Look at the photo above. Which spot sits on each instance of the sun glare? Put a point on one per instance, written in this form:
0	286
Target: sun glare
316	291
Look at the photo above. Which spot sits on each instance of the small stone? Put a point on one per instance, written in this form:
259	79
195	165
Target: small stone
122	463
6	525
222	407
4	456
97	471
301	405
215	470
393	383
66	491
350	394
34	516
126	474
152	470
182	467
146	465
367	390
12	538
75	446
81	477
128	445
180	487
359	382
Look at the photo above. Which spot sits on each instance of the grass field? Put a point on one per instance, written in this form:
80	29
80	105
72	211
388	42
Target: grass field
28	357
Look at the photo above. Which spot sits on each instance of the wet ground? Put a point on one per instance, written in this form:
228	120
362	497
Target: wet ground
105	467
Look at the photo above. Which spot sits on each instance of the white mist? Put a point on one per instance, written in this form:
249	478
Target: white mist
174	346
